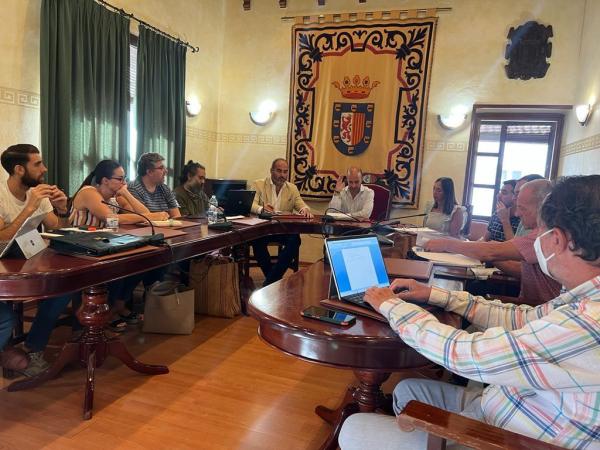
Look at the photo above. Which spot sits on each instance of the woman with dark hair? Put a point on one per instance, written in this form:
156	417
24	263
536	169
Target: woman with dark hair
444	214
107	183
189	194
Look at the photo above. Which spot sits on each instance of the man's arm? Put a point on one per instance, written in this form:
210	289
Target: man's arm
512	268
36	196
174	212
367	208
483	251
497	354
299	204
257	203
336	201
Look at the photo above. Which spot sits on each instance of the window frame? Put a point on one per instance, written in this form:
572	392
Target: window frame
507	117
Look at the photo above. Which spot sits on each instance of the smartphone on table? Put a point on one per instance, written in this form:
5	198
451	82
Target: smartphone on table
329	315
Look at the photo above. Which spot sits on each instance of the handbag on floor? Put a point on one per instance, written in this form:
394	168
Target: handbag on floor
215	280
169	309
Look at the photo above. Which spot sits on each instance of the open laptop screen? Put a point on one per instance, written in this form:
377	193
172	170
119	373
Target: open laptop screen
357	264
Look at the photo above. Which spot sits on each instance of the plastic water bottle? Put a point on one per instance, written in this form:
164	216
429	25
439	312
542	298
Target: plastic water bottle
213	211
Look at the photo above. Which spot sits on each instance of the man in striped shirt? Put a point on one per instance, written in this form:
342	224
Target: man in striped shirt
149	187
541	363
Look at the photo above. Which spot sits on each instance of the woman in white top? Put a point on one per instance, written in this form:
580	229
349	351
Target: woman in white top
444	214
107	183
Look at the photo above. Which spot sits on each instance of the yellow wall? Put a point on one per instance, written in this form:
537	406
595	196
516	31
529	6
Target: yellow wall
467	67
581	154
20	72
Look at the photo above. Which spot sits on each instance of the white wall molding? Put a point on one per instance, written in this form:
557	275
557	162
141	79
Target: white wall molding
16	97
580	146
443	146
235	138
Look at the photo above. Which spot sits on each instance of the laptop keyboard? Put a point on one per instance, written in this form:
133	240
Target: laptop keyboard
358	299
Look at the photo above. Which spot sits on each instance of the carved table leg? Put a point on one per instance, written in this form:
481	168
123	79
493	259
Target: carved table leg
117	349
91	349
367	397
88	400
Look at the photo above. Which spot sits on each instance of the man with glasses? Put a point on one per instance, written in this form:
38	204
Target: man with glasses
149	187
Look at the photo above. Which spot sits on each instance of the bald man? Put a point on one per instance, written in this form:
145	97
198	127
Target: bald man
354	199
536	286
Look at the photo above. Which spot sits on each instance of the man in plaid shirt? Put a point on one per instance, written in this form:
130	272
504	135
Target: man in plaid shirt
542	364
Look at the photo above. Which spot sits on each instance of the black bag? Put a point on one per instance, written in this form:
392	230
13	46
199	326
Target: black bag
99	243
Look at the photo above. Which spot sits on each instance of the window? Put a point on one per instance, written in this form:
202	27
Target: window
133	47
507	146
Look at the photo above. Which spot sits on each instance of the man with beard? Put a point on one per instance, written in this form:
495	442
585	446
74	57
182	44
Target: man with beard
275	194
189	194
22	195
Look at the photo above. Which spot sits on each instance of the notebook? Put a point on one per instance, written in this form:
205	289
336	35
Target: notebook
239	202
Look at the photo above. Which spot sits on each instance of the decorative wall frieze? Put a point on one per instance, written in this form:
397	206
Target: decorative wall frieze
236	138
443	146
10	96
582	145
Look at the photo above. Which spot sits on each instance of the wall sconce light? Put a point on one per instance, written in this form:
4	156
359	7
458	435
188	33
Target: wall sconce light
583	112
193	107
266	111
453	120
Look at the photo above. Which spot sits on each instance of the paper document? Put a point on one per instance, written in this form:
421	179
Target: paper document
448	259
247	220
229	218
415	230
341	216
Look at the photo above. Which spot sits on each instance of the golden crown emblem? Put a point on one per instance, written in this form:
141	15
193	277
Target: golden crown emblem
356	88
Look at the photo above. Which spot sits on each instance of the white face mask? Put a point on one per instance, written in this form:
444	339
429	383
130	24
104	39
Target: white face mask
542	260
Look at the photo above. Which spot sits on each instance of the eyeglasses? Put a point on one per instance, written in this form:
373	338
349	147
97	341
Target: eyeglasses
163	168
119	179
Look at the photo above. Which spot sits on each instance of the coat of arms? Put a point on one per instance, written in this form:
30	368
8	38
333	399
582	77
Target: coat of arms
528	50
352	122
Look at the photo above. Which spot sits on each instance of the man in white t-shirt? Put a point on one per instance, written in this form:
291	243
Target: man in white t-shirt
22	195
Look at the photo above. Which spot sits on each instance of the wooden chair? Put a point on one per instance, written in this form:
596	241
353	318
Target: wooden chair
477	230
382	203
442	425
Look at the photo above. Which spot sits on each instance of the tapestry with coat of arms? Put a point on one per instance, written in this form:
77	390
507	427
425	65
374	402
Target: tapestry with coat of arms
359	98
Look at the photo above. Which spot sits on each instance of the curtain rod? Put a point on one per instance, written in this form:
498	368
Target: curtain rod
146	24
418	10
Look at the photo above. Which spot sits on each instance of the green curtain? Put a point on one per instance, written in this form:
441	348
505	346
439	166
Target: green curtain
84	62
161	99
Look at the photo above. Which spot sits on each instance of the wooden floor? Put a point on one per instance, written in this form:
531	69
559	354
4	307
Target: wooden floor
226	389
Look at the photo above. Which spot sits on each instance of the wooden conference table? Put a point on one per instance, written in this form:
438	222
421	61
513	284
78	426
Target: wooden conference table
370	348
49	274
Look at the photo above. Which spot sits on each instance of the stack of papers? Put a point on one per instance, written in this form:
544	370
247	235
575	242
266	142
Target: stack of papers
414	230
448	259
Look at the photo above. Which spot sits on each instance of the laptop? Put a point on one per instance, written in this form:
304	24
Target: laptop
26	242
239	202
356	265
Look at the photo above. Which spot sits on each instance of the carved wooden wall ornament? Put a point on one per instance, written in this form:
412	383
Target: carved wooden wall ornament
528	50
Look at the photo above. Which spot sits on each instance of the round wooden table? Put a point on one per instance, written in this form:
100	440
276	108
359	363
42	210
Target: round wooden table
368	347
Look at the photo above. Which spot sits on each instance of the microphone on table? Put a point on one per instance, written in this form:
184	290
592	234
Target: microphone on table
155	238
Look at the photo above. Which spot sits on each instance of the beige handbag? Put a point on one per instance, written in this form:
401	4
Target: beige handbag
215	280
169	309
